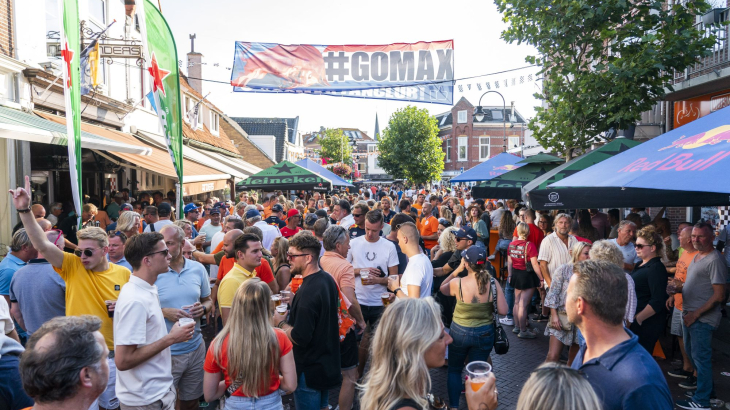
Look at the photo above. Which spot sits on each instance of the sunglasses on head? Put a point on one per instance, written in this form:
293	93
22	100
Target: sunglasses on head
86	252
60	235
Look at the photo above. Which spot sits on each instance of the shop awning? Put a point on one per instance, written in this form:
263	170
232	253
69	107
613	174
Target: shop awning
245	167
197	178
19	125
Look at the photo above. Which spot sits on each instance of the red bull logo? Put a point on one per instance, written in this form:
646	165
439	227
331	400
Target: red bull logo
505	168
712	137
295	66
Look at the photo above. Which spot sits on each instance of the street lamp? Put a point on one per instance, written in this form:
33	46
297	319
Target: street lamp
480	111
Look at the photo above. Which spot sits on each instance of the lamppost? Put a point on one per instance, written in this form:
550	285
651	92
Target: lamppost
480	111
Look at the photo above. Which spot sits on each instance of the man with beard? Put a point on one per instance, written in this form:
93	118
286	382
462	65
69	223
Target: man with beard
554	252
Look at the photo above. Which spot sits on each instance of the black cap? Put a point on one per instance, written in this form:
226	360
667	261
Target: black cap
164	209
277	208
467	233
215	210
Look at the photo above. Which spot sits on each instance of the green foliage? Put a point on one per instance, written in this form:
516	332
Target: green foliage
335	146
410	147
603	63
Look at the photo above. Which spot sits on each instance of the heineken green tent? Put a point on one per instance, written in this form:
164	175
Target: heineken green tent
537	195
509	185
285	176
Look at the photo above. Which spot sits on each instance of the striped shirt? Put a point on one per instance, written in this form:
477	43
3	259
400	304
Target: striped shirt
554	252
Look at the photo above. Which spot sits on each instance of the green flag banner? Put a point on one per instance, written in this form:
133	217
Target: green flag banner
70	51
164	75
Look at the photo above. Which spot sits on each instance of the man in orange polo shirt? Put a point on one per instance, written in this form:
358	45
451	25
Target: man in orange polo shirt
680	276
429	227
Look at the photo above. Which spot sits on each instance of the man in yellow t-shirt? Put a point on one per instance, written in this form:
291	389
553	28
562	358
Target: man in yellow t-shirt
90	278
248	257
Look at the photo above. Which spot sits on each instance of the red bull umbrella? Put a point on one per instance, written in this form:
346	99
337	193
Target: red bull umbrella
493	167
684	167
509	185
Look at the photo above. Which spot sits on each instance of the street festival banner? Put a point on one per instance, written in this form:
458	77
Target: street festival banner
418	72
161	64
70	50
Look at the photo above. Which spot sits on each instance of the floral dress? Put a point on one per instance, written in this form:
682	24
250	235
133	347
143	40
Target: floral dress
555	299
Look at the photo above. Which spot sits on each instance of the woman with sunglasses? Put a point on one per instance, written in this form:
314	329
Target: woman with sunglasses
650	281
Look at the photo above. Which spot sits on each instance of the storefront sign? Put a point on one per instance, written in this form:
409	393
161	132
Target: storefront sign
686	111
120	51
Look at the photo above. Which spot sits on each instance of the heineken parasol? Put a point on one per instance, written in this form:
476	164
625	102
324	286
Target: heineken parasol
70	50
161	64
284	176
509	185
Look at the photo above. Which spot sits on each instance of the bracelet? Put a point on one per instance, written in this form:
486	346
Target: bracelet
395	292
23	211
281	324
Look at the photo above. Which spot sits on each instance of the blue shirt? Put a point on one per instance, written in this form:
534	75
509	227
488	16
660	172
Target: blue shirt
39	292
122	262
181	289
626	377
8	267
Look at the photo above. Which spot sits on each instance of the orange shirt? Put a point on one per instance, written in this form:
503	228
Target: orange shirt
418	206
267	211
429	226
681	274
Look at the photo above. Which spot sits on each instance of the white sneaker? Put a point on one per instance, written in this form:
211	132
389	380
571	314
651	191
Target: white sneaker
491	257
507	321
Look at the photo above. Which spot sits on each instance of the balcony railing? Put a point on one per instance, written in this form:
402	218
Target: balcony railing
720	56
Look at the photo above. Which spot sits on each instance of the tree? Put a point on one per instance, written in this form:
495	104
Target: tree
603	63
410	147
335	146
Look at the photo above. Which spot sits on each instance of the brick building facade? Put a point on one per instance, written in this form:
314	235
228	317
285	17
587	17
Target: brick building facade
7	43
468	142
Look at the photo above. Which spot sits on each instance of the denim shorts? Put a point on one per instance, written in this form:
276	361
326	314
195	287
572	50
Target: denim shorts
272	401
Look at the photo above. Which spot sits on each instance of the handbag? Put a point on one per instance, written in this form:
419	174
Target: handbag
528	263
564	322
501	343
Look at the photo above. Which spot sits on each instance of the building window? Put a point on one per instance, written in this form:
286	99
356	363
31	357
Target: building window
462	117
97	10
513	142
214	118
448	150
484	148
463	148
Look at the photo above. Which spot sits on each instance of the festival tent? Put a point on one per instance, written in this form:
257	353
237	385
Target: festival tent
509	185
537	195
322	171
285	176
684	167
493	167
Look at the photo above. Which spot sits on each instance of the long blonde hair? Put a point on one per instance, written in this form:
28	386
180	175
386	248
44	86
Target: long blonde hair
554	386
253	349
397	365
459	211
281	244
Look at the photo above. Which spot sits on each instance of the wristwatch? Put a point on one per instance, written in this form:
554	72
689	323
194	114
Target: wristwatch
395	292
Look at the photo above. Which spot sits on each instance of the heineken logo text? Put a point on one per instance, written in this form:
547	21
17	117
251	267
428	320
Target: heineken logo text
288	180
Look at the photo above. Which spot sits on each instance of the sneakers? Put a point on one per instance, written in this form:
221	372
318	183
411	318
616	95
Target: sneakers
516	330
491	257
680	373
507	321
526	335
691	405
690	383
539	317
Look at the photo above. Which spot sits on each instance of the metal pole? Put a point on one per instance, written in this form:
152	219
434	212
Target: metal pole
504	112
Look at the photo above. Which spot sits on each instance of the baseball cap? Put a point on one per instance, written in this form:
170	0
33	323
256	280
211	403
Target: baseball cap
475	254
190	207
164	209
467	233
127	207
215	210
277	208
310	219
292	212
321	213
252	213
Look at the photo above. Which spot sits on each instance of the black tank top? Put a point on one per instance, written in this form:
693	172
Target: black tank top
406	403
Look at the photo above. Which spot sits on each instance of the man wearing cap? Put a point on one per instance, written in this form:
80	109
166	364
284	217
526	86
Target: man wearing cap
277	211
212	228
292	224
163	213
270	232
113	209
192	214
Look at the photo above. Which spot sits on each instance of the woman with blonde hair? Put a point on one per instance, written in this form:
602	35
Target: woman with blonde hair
521	279
554	386
280	264
402	351
446	213
459	217
249	354
186	226
129	223
560	331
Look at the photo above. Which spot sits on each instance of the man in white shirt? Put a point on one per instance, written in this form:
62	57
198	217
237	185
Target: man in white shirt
626	233
141	342
377	256
496	215
270	232
554	252
346	219
417	279
161	216
212	228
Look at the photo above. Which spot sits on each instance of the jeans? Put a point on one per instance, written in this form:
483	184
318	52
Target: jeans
698	345
272	402
306	398
472	342
509	295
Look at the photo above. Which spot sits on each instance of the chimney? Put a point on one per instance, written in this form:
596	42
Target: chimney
195	67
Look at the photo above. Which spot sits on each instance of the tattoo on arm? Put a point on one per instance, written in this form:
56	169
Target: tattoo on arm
474	299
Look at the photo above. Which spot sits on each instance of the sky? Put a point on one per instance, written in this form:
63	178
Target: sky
475	27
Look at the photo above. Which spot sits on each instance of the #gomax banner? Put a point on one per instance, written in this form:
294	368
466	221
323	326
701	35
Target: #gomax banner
419	72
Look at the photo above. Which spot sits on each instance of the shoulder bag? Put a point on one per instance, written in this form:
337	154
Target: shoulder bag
528	263
501	343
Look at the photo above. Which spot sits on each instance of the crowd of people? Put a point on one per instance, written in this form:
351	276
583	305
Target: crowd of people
359	291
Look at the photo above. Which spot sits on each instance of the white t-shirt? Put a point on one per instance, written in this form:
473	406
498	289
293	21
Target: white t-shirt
138	321
347	221
270	233
467	202
158	225
6	322
419	272
364	254
629	252
217	239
